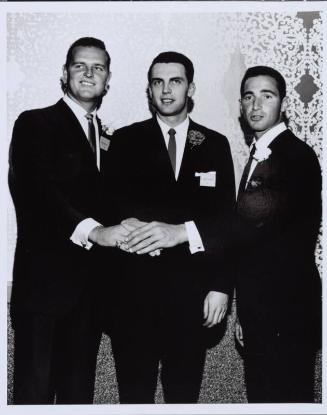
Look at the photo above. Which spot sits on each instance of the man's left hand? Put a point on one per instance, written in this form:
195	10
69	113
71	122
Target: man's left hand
156	235
214	308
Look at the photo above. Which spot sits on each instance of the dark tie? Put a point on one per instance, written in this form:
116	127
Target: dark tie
172	148
91	132
246	170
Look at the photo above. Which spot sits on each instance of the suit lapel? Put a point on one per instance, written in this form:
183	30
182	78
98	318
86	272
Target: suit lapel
187	160
74	131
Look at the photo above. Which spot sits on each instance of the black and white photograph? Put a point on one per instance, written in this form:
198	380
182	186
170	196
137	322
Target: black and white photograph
162	207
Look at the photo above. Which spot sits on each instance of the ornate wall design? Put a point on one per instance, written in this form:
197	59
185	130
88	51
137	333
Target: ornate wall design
221	46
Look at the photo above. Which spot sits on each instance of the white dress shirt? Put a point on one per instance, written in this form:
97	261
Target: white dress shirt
263	143
194	238
81	233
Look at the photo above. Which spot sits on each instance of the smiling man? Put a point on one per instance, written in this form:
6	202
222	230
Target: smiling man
175	173
278	286
54	178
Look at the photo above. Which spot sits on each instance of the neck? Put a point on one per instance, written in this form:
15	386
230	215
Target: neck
173	120
87	106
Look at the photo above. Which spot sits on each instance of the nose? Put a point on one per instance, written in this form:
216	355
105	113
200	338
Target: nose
166	89
88	72
257	103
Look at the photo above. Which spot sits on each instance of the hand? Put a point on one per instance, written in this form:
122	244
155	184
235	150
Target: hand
156	235
214	308
109	236
131	224
239	333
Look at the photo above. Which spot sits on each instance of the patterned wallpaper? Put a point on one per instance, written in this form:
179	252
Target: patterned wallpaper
221	46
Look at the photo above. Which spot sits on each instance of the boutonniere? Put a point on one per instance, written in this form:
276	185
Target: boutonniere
254	183
195	138
107	130
261	154
105	136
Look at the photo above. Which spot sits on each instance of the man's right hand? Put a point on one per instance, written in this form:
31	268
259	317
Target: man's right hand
109	236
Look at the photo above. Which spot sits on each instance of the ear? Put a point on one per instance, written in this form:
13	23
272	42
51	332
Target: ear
149	91
241	108
284	104
64	74
107	86
191	90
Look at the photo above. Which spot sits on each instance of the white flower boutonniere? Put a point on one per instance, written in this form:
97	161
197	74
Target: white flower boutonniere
107	130
195	138
262	154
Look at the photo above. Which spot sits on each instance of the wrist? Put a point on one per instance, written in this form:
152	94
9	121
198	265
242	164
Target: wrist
182	233
94	235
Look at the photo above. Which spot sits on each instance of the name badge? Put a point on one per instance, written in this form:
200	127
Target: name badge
207	179
104	143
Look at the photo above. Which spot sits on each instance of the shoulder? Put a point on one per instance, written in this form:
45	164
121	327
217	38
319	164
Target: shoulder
293	147
212	137
137	129
40	113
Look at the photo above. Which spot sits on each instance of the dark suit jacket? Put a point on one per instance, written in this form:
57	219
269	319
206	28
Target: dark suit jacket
139	174
273	239
55	184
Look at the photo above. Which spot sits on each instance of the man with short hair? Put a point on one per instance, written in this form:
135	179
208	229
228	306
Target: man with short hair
278	287
169	174
55	163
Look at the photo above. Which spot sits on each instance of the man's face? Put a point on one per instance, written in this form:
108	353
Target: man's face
169	89
261	105
87	76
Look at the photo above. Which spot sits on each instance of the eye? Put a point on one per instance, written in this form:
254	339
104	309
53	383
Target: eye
176	81
79	66
267	96
99	68
247	98
156	82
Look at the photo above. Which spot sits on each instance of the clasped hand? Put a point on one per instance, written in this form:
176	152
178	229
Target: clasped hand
150	238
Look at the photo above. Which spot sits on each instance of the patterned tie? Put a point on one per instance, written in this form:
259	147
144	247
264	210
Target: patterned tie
246	170
172	148
91	132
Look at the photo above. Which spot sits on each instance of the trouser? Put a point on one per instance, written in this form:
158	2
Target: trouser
137	357
279	368
55	356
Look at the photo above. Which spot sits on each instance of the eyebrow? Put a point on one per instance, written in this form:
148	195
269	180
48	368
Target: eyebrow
84	63
180	78
262	91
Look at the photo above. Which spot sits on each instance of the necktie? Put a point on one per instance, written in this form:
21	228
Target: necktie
172	148
91	132
246	170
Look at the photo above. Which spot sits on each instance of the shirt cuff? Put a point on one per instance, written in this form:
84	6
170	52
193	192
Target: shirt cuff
81	233
194	238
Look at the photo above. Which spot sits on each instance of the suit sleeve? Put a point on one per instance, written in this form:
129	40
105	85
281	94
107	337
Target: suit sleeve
216	221
35	179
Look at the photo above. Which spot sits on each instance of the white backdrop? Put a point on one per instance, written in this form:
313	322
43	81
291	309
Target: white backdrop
221	46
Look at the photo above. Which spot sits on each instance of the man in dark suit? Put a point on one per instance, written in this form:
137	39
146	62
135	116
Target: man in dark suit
167	173
54	178
278	286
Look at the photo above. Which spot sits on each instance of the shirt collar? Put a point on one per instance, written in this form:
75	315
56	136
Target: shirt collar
269	136
76	108
181	129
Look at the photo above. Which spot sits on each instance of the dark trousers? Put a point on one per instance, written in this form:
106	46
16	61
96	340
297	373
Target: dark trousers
158	328
137	364
55	356
279	368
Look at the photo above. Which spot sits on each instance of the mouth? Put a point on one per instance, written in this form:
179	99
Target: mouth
167	101
87	83
256	117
